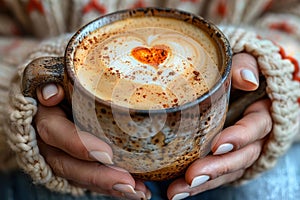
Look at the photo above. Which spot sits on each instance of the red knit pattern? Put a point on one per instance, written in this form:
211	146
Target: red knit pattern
94	5
35	5
296	75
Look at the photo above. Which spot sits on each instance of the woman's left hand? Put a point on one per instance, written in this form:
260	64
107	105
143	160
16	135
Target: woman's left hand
237	147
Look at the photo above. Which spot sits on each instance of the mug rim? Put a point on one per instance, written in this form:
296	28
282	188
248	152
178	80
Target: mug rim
149	11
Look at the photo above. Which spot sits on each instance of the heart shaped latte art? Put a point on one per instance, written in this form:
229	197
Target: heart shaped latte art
153	56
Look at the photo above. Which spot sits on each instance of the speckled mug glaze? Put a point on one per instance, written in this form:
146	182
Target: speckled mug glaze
150	144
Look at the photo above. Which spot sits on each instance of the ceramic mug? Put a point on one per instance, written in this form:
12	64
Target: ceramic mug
152	144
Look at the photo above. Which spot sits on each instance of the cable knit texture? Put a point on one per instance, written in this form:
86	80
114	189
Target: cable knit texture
282	91
20	132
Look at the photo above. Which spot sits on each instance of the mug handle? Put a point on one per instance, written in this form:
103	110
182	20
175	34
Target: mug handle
41	71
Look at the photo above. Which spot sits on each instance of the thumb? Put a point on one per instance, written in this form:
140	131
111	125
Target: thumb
50	94
244	72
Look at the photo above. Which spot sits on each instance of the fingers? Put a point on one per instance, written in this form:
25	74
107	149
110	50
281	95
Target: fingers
50	94
222	180
213	171
93	176
244	72
186	191
215	166
69	150
141	192
57	131
235	149
255	125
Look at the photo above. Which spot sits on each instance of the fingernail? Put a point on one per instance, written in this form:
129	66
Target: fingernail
138	195
124	188
102	157
199	180
181	196
148	194
223	148
249	76
49	91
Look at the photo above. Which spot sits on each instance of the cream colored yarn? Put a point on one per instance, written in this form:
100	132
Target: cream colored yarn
20	133
281	89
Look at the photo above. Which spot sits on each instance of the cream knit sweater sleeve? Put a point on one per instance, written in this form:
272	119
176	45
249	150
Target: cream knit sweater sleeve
13	51
19	112
7	157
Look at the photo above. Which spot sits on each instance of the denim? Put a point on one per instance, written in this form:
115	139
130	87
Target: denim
282	182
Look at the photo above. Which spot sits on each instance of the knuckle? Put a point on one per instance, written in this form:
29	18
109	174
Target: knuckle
42	126
69	144
267	124
254	151
244	135
57	164
94	180
75	145
225	170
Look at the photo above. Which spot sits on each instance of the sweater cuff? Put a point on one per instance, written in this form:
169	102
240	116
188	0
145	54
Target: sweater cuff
21	135
13	51
283	89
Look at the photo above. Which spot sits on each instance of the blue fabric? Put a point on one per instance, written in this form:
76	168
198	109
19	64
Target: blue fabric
282	182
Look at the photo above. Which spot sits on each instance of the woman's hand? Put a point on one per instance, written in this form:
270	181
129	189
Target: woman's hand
237	147
78	156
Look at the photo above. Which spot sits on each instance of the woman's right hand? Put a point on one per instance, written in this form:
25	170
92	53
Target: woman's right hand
81	158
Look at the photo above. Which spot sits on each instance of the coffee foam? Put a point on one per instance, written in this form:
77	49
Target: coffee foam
107	63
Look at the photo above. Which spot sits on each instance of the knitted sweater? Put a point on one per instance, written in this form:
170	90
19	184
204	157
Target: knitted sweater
22	39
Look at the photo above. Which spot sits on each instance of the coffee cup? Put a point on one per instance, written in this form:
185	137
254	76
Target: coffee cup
151	82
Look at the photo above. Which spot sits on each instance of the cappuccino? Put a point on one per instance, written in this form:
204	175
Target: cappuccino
145	59
147	63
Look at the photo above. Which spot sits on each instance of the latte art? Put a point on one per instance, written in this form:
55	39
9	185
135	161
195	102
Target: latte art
153	56
147	63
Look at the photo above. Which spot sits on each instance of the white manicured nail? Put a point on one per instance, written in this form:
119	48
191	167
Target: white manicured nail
102	157
124	188
49	91
181	196
249	76
223	148
199	180
148	194
138	195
